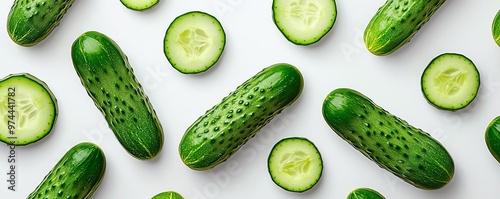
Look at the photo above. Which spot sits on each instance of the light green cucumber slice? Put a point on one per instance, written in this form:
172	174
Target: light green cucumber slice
139	5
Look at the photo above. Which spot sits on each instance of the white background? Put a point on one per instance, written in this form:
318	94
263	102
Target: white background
253	42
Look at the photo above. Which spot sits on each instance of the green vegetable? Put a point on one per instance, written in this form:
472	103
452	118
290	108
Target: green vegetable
29	109
77	175
223	129
365	193
168	195
295	164
492	138
109	79
495	29
407	152
31	21
450	81
139	5
304	22
396	22
194	42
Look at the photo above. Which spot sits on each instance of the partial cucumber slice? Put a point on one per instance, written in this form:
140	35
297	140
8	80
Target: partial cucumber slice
139	5
495	28
304	22
492	138
364	193
168	195
28	109
194	42
295	164
450	81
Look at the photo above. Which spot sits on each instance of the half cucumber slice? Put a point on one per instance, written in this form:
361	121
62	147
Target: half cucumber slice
28	109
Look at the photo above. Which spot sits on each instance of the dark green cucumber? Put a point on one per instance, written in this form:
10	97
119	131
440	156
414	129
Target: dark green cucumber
77	175
364	193
168	195
223	129
495	28
31	21
407	152
109	79
396	22
492	138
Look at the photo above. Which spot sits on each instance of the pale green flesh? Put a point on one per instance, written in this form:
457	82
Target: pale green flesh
451	81
194	42
304	22
139	4
28	109
295	164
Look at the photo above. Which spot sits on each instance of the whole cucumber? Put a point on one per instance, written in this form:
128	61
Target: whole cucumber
78	174
31	21
365	193
396	22
109	79
407	152
223	129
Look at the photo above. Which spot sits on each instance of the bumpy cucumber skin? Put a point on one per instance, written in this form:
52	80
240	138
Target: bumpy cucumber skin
407	152
54	103
30	22
365	193
492	138
109	79
223	129
168	195
495	28
77	175
396	22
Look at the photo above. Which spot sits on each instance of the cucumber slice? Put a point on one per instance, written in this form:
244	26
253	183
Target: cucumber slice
492	138
194	42
168	195
295	164
139	5
28	109
495	28
304	22
364	193
450	81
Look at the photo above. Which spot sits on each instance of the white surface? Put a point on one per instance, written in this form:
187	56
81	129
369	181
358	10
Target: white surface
253	42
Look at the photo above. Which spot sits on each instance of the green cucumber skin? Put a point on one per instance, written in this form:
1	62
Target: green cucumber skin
223	129
407	152
492	138
78	174
29	22
396	22
168	195
365	193
495	28
109	79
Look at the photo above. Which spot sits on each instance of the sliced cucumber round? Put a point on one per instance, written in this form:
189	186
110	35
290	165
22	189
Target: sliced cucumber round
295	164
304	22
28	109
495	28
194	42
492	138
139	5
168	195
365	193
450	81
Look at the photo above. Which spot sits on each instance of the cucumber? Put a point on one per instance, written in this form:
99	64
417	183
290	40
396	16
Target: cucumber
396	23
168	195
364	193
450	81
295	164
194	42
109	79
28	107
139	5
78	174
304	22
492	138
495	29
227	126
31	21
408	152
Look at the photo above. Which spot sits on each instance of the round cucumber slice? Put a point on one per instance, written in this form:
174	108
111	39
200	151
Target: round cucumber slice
495	28
304	22
295	164
194	42
139	5
450	81
28	109
492	138
364	193
168	195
